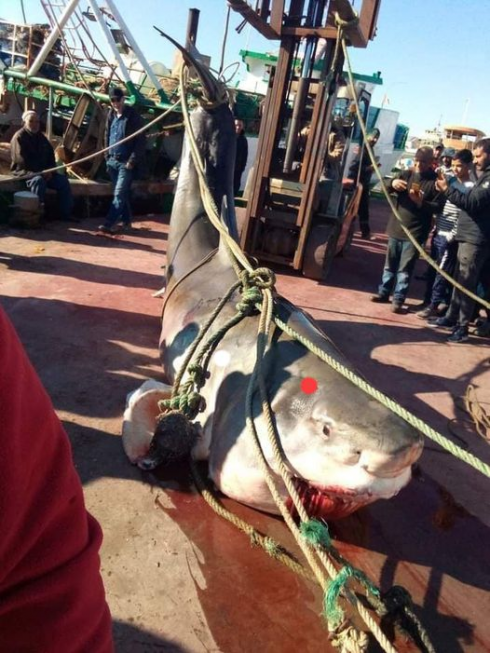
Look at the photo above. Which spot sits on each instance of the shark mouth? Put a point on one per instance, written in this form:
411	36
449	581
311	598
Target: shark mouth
328	503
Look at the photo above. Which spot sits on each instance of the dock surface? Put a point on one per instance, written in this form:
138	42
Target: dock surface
177	577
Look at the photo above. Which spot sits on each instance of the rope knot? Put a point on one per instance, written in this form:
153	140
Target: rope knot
342	24
396	599
188	403
349	640
262	278
250	297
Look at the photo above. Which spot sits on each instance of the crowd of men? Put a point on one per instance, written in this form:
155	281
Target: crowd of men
448	197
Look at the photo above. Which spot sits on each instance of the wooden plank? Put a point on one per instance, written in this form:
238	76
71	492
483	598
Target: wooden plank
245	10
90	188
277	15
368	18
268	129
358	35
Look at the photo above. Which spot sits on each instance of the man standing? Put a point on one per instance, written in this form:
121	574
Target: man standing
362	168
417	201
473	236
31	153
444	245
121	159
241	155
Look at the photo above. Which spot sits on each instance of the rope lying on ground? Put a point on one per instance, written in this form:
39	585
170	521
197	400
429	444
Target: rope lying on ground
417	246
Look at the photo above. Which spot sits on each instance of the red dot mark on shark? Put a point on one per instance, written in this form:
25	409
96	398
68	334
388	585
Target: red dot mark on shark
309	385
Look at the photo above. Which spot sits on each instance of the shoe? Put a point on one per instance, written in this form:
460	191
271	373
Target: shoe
441	323
366	235
428	312
482	329
397	307
125	226
460	334
107	230
380	299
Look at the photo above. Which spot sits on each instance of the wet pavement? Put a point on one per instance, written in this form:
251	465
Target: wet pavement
179	578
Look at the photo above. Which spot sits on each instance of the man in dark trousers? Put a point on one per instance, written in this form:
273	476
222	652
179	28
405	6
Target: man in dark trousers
31	153
122	159
362	169
417	201
241	155
473	236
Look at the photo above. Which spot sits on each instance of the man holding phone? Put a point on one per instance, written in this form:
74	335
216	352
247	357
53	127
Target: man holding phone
473	236
417	201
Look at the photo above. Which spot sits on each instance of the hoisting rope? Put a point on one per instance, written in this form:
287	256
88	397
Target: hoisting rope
407	231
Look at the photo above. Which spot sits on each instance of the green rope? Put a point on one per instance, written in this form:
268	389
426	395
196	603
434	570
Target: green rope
332	609
316	533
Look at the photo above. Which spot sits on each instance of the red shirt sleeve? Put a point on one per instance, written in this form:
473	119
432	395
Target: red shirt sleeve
51	592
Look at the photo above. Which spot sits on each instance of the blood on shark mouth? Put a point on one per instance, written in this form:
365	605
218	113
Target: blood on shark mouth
327	503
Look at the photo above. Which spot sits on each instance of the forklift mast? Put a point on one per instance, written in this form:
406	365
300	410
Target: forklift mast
293	214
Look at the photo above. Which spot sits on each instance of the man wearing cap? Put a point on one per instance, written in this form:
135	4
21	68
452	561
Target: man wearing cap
446	162
121	159
31	154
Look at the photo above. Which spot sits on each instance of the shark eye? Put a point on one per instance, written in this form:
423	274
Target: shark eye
326	430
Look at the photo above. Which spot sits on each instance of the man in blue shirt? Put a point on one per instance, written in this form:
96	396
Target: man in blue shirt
122	159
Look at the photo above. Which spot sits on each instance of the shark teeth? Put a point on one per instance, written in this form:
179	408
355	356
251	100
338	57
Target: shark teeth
329	502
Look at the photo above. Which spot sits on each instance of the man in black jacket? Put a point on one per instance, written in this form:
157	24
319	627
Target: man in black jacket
473	236
417	201
32	153
241	155
362	168
121	159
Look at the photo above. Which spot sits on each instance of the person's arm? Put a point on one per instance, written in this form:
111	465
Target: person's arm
136	144
434	201
18	164
245	151
399	184
473	201
354	168
51	592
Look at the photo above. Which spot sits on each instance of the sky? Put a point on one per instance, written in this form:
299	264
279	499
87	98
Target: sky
434	55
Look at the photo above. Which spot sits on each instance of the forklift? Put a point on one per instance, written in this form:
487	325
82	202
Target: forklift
296	215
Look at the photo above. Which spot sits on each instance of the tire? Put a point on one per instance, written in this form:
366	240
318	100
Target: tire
320	251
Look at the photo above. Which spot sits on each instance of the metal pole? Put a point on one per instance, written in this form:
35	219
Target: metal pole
192	25
110	40
148	70
225	38
48	44
49	124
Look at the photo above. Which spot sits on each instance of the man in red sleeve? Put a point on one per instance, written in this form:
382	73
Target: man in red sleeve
51	593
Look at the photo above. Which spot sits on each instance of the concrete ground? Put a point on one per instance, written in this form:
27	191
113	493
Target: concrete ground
177	577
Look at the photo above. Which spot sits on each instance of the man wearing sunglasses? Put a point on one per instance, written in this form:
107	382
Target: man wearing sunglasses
121	159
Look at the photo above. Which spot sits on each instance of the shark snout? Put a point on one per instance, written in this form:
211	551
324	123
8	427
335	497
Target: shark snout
389	464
